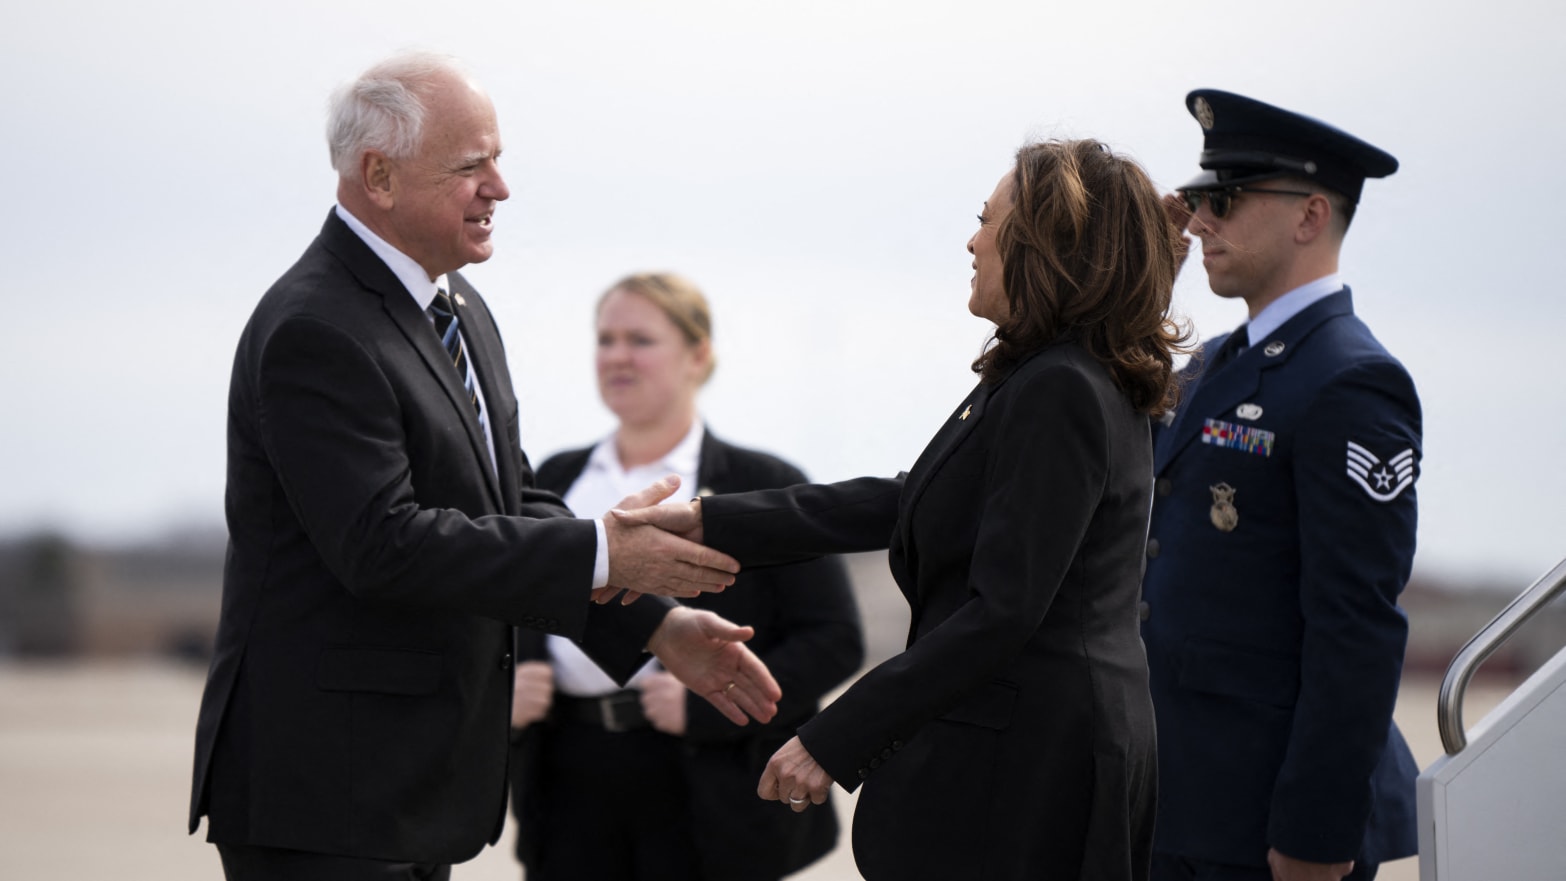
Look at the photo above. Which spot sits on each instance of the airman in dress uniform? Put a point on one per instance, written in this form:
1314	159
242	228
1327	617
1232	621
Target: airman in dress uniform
1282	529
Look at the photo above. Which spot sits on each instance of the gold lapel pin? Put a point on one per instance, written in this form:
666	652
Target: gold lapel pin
965	411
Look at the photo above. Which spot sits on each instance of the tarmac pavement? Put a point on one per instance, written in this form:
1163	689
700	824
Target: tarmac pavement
95	774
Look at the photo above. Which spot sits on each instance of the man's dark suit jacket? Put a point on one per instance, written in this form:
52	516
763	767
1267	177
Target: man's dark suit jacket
807	633
359	700
1277	646
1013	739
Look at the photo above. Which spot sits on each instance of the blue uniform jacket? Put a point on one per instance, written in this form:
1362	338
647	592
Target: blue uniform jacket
1276	645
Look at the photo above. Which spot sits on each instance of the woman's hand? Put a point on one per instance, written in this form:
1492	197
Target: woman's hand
794	778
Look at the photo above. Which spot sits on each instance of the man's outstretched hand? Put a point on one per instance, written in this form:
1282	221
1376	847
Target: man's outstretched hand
708	654
650	553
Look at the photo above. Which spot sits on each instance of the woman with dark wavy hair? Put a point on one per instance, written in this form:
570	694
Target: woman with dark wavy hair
1081	237
1013	738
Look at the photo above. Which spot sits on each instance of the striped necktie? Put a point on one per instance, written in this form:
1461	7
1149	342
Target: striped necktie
446	327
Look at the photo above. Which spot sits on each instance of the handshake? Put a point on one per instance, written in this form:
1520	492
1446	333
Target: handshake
657	549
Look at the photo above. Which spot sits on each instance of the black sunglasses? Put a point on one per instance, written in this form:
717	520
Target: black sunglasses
1220	201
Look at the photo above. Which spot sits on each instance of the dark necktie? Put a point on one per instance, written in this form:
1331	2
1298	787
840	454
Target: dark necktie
1232	346
446	327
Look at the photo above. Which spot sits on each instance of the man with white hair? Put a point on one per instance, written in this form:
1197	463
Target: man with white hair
384	533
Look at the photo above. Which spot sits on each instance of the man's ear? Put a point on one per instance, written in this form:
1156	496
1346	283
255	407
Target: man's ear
1315	219
375	170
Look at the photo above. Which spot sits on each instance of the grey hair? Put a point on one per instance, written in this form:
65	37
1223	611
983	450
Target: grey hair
383	109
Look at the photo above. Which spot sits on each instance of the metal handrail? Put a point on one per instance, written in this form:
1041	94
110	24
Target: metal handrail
1449	709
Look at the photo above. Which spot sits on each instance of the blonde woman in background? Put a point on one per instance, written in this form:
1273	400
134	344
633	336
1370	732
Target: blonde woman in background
648	782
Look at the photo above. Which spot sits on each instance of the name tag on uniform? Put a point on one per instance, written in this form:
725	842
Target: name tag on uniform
1244	438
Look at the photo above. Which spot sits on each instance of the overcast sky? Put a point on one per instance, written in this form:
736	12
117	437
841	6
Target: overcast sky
814	165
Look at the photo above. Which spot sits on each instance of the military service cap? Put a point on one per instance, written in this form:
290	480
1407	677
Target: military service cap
1246	140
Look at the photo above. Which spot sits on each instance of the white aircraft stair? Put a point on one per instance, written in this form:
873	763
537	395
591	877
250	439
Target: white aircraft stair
1494	807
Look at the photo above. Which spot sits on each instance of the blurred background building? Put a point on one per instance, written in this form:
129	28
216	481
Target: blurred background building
60	599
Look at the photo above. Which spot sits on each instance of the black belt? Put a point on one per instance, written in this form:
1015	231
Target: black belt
616	712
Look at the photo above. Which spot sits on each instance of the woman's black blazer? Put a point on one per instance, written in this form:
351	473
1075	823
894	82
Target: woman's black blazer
1014	737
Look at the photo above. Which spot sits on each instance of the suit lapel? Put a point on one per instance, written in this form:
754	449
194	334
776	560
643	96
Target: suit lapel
947	439
964	420
1166	430
1211	396
416	328
957	428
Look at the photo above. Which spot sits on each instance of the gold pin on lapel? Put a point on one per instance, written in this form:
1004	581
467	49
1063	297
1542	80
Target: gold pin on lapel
460	301
965	411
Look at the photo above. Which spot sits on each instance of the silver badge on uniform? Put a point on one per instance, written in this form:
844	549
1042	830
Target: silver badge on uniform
1248	411
1223	514
1382	481
1274	349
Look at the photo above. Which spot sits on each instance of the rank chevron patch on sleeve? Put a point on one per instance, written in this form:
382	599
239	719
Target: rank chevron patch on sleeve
1383	483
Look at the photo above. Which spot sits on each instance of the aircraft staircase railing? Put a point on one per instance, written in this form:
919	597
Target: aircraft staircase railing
1494	807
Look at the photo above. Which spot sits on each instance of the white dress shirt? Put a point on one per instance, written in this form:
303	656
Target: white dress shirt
422	289
601	485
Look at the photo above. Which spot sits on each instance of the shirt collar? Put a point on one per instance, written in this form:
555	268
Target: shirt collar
1291	304
683	459
407	270
686	455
